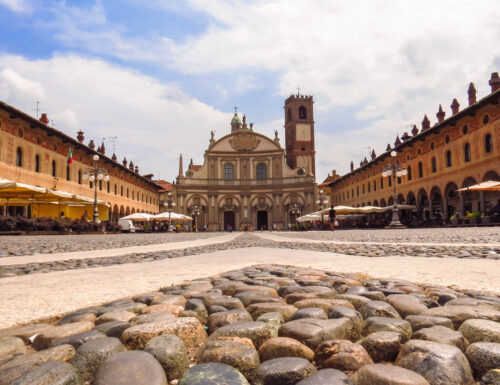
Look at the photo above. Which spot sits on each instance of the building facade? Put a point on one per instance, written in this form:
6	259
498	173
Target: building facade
456	152
247	180
34	153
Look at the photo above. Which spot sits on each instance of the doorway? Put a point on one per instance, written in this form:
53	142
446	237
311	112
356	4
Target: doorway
262	220
229	220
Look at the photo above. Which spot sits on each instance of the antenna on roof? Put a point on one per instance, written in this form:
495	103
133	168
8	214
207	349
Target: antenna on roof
113	141
38	109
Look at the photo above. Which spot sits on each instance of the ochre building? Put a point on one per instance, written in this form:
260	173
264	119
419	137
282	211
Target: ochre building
248	181
34	153
456	152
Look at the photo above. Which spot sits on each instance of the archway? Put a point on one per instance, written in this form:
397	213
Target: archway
490	198
436	204
451	200
423	204
382	203
491	175
115	215
262	222
229	220
375	203
127	211
468	198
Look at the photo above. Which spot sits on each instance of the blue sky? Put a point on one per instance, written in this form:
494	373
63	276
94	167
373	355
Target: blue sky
162	74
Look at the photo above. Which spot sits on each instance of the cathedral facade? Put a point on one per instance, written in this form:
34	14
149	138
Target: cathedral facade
248	180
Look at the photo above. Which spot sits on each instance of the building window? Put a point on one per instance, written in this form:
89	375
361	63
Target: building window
381	183
352	193
447	139
121	190
488	143
432	146
434	164
127	193
79	176
448	159
399	180
465	129
91	185
37	163
486	119
228	171
302	112
390	181
409	172
369	186
19	157
418	151
363	188
467	156
357	191
100	185
420	170
347	194
374	185
116	189
67	173
261	171
54	169
107	187
133	194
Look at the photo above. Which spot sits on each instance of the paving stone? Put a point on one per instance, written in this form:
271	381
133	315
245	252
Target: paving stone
257	309
418	322
119	315
378	309
322	303
284	347
12	345
77	317
492	377
258	332
25	332
382	346
113	328
220	319
438	363
284	371
442	335
212	373
189	329
130	368
91	355
341	354
483	356
477	330
274	320
386	324
309	312
48	336
460	313
380	374
406	304
49	373
170	351
76	340
327	377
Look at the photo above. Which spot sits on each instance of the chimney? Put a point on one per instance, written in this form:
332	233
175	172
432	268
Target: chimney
124	162
373	155
180	167
137	169
414	130
80	136
426	124
114	157
103	149
388	148
440	114
44	119
494	82
91	144
472	94
405	137
352	166
131	166
455	106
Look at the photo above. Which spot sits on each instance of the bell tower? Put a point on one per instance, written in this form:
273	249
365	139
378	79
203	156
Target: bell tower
299	133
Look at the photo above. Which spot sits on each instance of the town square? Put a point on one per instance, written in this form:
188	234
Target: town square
249	193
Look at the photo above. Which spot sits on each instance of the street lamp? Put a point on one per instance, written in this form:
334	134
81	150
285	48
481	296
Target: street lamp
195	212
395	169
295	211
94	174
321	201
170	205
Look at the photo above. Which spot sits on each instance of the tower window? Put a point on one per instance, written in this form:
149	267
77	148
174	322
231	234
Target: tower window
261	171
79	176
68	175
302	112
448	159
54	168
434	164
467	156
37	163
228	171
19	157
488	143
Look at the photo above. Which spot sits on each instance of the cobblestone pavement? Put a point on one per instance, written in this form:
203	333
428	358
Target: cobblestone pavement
433	235
246	240
50	244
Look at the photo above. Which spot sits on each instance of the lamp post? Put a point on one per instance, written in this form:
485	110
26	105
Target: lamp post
393	170
170	205
94	174
295	211
195	212
321	201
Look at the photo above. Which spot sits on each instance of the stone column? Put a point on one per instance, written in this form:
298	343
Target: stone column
481	200
431	213
462	205
445	210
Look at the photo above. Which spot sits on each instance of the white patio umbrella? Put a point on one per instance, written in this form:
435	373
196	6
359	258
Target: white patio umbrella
489	185
139	217
175	217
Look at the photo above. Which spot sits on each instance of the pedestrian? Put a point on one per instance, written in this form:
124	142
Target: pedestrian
331	214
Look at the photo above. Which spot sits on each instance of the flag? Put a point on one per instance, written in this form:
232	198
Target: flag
70	156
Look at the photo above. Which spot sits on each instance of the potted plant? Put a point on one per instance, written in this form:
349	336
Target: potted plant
475	218
455	220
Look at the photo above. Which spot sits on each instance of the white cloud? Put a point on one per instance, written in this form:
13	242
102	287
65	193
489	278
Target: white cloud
16	5
154	121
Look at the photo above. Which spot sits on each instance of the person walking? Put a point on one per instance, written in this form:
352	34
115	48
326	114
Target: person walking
331	214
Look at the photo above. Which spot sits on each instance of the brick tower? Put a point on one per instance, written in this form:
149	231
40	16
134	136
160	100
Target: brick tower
299	131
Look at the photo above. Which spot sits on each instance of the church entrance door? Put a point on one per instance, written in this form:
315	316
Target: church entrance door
229	220
262	220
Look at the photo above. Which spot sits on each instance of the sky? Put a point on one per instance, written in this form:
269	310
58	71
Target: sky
160	75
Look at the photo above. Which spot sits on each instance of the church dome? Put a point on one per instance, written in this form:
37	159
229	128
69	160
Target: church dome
236	119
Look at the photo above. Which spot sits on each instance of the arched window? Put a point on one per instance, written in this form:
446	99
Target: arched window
302	112
467	156
116	189
357	191
79	176
19	157
261	171
390	181
409	172
420	170
488	143
228	171
363	188
37	163
121	190
448	159
100	185
434	164
374	185
127	193
54	169
108	187
67	173
369	186
133	194
381	182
